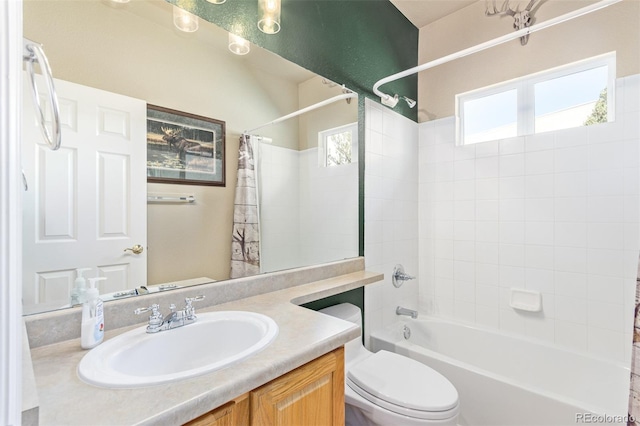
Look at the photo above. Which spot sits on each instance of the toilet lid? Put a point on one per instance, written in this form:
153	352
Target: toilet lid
403	382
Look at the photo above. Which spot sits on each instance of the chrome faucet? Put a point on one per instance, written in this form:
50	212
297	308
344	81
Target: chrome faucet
399	276
408	312
174	319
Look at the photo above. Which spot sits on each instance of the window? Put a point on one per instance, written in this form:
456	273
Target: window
575	95
338	146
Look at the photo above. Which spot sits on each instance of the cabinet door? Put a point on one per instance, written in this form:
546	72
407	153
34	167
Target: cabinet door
310	395
233	413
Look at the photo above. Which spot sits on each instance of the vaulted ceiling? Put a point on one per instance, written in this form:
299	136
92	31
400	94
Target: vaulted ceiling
424	12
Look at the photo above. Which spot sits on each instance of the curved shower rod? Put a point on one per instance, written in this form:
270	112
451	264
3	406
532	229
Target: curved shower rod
303	110
391	101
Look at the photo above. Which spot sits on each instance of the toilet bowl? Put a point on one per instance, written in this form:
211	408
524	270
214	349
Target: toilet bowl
385	388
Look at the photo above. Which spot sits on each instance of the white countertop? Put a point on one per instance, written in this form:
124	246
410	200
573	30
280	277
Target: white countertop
303	336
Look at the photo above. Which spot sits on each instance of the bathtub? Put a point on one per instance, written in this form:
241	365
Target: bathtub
504	379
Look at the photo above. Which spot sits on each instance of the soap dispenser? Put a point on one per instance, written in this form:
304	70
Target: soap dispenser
92	328
79	288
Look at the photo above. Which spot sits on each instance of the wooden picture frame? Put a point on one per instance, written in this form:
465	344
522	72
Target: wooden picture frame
184	148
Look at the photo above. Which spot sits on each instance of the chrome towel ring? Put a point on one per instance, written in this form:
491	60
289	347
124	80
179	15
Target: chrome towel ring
32	52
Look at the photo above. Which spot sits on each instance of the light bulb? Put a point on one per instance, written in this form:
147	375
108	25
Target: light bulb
184	20
269	22
238	45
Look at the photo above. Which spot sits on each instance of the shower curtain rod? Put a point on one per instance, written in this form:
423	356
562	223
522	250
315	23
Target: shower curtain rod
303	110
391	101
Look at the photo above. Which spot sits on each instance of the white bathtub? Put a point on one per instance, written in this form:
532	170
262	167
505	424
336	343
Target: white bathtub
507	380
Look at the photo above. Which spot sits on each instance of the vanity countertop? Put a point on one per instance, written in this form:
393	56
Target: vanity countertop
303	336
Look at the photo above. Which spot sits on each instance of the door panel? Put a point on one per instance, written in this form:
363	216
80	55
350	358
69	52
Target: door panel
86	202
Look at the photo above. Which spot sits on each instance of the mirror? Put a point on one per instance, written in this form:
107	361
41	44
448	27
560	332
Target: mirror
308	207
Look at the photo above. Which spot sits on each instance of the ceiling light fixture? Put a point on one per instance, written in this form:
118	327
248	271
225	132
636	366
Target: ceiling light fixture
269	22
185	21
216	1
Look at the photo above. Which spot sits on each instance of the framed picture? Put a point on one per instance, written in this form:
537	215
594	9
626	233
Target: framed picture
184	148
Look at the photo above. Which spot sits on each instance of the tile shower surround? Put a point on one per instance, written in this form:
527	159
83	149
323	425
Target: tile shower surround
555	212
309	213
391	211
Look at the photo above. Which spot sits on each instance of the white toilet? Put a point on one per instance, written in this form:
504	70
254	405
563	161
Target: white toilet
385	388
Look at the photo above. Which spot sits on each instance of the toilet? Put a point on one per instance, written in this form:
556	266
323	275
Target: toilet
385	388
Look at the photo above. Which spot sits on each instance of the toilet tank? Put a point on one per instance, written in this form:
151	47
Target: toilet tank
345	311
354	351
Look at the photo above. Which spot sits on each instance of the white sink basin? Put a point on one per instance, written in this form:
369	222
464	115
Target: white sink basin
216	340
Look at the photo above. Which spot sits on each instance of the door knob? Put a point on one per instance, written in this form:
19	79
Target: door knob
137	249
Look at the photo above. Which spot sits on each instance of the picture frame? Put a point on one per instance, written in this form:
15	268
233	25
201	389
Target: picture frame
184	148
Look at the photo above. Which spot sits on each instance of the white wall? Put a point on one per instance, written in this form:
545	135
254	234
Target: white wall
391	211
11	325
555	212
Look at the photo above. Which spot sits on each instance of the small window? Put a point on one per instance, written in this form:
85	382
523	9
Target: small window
579	94
573	100
338	146
491	117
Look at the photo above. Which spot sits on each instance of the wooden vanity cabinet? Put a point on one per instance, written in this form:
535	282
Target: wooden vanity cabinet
233	413
312	394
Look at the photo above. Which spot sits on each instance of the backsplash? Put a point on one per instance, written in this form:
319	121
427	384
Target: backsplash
57	326
555	212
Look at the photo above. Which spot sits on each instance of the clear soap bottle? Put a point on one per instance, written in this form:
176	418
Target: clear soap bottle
92	328
79	288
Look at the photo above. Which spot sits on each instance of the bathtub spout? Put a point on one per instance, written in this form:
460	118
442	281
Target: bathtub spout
408	312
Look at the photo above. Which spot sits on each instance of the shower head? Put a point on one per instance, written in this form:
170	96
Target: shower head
409	101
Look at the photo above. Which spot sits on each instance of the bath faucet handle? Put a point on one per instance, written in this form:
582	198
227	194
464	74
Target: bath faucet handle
399	276
155	319
155	310
189	311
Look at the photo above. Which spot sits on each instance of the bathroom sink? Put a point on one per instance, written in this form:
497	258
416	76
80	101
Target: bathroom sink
216	340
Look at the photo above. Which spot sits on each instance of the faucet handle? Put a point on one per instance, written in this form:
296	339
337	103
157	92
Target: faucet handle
155	310
189	311
189	300
155	319
399	276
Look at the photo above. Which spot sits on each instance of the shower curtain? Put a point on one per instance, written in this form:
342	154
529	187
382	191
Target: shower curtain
245	243
634	391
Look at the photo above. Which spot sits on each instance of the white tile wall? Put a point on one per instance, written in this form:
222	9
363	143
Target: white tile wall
391	210
555	213
279	212
309	214
328	210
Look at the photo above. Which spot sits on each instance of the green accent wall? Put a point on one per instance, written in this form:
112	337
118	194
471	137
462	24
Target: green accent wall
351	42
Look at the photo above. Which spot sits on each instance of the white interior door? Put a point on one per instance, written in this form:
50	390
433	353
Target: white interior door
86	202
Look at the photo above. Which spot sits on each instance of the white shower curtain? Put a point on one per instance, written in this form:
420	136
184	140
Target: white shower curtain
245	243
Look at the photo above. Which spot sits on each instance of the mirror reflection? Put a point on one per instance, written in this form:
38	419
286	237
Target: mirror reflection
93	208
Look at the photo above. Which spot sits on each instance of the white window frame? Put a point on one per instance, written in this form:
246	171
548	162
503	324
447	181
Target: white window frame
525	93
322	142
